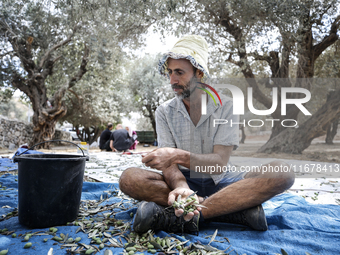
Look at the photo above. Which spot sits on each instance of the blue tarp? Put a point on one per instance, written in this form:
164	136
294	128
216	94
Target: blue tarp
7	164
294	225
26	151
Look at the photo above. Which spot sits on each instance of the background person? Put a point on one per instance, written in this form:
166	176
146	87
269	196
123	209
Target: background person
104	141
133	136
120	139
119	126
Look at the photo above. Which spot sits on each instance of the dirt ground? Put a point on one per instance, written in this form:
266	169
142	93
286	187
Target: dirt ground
317	151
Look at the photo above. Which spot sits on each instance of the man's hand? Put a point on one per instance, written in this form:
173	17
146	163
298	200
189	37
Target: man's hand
184	192
161	158
111	146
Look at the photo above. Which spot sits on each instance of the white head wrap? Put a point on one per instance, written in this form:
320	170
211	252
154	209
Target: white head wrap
191	47
129	129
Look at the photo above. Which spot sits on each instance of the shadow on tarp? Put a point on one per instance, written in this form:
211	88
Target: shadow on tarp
294	225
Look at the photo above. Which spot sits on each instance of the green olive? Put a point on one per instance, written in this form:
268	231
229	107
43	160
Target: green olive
28	245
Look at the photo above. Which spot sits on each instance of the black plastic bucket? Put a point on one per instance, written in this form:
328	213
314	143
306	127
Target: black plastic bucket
50	187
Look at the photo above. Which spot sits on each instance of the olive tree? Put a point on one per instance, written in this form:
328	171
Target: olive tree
286	37
47	48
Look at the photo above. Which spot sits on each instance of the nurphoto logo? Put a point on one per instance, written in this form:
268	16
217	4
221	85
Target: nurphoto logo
239	99
204	97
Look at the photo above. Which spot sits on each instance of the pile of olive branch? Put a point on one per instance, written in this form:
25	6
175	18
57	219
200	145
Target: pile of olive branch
167	245
105	231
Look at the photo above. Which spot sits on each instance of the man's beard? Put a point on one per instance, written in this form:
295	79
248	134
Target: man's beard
186	89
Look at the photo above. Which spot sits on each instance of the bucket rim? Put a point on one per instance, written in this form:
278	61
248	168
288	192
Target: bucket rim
64	157
48	142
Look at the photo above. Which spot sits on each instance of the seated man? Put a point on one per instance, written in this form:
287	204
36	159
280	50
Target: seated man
188	140
120	139
104	141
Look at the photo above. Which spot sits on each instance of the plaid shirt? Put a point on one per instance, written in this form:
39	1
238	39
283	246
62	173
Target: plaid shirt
175	128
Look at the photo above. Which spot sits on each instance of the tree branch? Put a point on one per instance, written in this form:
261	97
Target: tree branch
82	69
58	96
74	93
283	71
319	20
272	60
6	28
56	59
21	47
328	40
233	61
235	31
230	27
257	56
49	51
19	83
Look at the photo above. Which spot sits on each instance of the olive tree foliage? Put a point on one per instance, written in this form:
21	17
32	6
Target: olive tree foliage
279	35
6	94
93	107
47	47
148	88
99	96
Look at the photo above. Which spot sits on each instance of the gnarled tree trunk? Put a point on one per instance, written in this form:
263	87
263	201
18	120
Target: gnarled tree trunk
283	139
44	125
295	140
243	137
332	130
150	113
